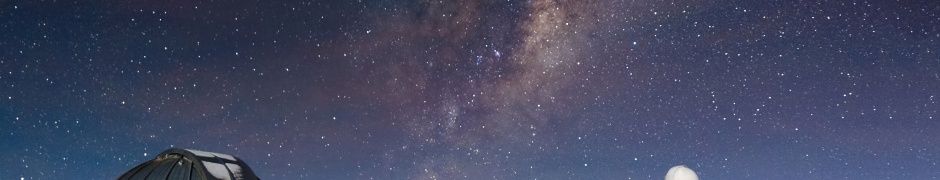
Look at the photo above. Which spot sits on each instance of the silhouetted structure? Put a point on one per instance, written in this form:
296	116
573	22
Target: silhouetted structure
191	164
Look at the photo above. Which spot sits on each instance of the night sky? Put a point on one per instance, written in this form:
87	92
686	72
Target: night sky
474	89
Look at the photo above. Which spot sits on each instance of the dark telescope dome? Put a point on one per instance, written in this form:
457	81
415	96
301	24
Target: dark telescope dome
191	164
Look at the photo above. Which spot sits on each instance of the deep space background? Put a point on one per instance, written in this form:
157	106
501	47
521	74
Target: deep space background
474	89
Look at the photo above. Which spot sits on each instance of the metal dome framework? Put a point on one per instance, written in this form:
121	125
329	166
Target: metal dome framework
191	164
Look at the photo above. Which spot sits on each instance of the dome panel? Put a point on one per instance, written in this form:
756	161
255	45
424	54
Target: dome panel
191	164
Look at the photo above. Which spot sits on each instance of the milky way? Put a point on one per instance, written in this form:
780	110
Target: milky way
476	89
